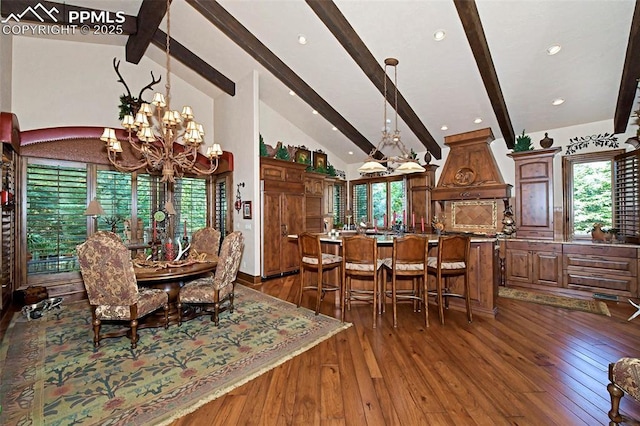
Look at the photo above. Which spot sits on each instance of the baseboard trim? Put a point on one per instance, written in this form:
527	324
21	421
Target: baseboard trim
249	280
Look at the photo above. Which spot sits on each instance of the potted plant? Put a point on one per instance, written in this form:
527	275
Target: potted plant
523	143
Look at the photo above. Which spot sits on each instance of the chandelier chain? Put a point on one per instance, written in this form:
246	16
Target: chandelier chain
168	54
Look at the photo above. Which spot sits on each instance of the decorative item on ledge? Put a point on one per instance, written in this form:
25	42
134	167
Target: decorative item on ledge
437	223
508	222
546	142
154	147
523	143
603	235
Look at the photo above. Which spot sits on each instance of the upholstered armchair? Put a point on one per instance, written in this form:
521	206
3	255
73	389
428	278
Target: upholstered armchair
207	241
110	281
217	291
624	376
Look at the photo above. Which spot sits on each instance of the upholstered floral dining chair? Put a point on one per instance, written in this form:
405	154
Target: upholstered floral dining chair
217	291
110	281
205	244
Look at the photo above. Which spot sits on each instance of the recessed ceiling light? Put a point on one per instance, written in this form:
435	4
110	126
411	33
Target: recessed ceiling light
302	39
334	128
444	127
478	120
315	112
439	35
292	93
350	153
553	49
557	102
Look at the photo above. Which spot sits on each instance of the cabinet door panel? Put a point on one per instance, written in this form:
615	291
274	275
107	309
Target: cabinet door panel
271	234
547	269
292	213
518	267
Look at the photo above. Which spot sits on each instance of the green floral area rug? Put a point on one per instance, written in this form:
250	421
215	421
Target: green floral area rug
585	305
51	375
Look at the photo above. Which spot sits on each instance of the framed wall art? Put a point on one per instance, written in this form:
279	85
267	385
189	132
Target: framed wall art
303	156
246	209
319	160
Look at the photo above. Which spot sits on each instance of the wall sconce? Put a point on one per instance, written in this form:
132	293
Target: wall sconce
238	203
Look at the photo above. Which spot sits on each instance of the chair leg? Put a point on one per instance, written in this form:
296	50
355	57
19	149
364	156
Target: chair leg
301	285
440	298
425	301
374	308
166	316
616	395
394	302
345	294
319	295
96	329
134	333
467	297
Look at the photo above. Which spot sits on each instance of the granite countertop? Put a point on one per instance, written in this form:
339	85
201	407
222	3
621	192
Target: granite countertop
388	238
585	242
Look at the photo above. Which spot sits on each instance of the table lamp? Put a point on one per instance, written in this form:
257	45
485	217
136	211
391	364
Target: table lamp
94	209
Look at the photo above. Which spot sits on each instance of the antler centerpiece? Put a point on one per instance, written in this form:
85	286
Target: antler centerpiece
163	140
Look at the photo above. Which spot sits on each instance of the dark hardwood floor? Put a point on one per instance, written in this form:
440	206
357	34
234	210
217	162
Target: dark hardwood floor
532	365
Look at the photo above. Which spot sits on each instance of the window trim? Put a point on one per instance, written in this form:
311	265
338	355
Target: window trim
568	161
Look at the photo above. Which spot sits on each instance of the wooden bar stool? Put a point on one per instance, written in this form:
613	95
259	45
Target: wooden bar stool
360	260
312	259
452	260
409	259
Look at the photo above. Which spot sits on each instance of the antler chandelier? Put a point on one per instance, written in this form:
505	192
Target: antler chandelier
164	140
404	163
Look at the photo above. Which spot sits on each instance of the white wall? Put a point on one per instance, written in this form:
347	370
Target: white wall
236	123
561	138
70	83
6	46
274	128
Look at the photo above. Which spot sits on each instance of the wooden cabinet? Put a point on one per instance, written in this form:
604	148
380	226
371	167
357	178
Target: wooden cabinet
573	266
283	213
533	264
419	186
313	196
534	192
601	268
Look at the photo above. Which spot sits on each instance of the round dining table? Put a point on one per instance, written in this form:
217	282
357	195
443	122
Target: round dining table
170	278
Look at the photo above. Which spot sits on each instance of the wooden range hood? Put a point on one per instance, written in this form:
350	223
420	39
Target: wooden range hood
470	171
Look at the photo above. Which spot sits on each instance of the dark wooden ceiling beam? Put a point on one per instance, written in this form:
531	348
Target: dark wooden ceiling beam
233	29
630	75
342	30
191	60
468	13
17	7
149	19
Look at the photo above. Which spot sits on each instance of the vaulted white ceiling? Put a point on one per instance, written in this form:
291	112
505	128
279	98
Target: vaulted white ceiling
439	79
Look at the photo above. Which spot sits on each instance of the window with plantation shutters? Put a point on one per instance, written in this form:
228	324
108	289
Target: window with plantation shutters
359	202
339	203
190	202
221	207
627	196
113	191
56	224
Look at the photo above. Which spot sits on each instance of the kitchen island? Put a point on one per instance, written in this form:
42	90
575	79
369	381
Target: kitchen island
484	269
